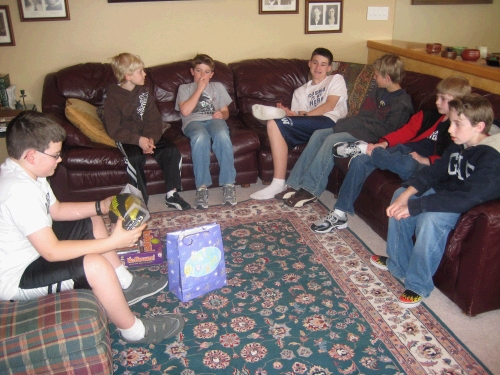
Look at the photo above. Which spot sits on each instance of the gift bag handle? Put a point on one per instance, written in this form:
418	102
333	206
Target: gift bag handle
190	232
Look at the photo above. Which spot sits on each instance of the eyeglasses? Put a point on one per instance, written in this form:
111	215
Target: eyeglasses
56	156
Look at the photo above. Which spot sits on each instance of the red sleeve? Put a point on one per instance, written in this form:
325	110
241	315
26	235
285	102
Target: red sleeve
407	132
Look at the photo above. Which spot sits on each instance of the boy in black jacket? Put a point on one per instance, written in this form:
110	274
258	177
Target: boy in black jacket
432	200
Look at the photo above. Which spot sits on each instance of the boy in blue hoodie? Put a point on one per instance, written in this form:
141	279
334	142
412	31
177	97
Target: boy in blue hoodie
431	201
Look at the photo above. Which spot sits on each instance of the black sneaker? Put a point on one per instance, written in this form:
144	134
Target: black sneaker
300	198
177	202
347	149
379	261
285	194
329	223
143	287
161	327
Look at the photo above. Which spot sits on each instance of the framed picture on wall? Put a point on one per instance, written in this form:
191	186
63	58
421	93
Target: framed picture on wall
6	33
278	6
323	16
43	10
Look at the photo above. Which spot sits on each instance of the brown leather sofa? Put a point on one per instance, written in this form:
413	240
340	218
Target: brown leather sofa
91	171
469	273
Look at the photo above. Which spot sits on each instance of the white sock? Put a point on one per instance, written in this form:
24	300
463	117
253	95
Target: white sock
276	187
124	276
339	213
134	333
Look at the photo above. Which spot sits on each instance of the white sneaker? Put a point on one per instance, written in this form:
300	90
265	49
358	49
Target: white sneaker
264	112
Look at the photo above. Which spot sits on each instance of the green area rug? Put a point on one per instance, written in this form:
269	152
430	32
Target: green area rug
296	302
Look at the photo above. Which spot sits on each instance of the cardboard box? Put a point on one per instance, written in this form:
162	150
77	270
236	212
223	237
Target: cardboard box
151	250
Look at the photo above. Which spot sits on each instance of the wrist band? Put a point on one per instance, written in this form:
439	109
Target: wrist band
98	208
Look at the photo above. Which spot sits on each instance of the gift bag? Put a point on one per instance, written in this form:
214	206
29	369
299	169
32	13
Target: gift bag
195	261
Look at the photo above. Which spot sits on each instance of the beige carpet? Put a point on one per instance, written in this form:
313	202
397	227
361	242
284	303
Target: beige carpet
480	334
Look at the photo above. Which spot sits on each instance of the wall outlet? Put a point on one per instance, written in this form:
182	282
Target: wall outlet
377	14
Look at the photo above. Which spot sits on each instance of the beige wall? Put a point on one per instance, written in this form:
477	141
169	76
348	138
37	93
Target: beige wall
451	25
166	31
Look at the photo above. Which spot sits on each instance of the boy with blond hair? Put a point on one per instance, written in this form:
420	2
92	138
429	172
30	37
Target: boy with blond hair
418	143
431	201
134	122
204	111
47	246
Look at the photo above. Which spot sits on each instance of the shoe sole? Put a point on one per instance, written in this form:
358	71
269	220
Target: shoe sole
201	207
257	111
409	305
177	206
227	203
139	299
380	267
301	203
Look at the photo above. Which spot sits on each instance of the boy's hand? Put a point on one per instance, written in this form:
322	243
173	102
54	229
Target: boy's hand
420	159
203	83
123	237
287	110
372	146
145	144
399	208
218	115
105	203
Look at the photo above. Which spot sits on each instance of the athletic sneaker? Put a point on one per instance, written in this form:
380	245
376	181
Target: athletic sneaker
229	194
264	112
177	202
201	200
379	261
285	194
161	327
329	223
300	198
143	287
409	299
346	149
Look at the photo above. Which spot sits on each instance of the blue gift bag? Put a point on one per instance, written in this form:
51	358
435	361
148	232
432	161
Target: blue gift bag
195	261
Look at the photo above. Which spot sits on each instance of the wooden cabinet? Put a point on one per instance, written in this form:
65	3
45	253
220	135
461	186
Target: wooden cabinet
416	59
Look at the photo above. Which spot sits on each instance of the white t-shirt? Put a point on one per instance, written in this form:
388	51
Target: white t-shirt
24	209
309	96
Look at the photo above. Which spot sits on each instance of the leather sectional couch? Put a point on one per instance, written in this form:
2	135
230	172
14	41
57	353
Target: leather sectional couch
470	270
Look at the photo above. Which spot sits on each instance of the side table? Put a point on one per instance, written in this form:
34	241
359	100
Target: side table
5	117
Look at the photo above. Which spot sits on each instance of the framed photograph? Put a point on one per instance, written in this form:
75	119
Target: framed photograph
278	6
6	34
323	16
43	10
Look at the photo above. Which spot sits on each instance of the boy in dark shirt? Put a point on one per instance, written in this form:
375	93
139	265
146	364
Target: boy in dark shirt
429	204
134	122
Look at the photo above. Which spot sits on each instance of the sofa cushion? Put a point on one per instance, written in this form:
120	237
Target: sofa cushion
59	333
84	116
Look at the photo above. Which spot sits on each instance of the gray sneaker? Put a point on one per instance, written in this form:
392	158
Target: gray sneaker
143	287
346	149
201	200
329	223
161	327
229	194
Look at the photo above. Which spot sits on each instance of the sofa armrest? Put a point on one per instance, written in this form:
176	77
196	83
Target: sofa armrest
58	333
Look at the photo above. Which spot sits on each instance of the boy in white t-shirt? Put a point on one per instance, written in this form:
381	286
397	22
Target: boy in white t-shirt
47	246
318	104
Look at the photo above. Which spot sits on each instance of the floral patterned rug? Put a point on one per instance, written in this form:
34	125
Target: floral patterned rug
295	302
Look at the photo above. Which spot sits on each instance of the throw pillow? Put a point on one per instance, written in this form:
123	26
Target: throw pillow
84	116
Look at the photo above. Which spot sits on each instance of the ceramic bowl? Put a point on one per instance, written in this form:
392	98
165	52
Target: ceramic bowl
449	54
470	54
459	50
433	48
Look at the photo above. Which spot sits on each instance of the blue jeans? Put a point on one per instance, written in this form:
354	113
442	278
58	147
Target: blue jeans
416	263
316	161
201	133
395	159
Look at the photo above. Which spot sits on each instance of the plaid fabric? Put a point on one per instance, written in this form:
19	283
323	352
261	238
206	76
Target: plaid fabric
63	333
359	79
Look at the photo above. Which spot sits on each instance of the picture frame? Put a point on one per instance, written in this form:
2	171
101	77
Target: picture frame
135	1
278	6
324	16
43	10
449	2
6	33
